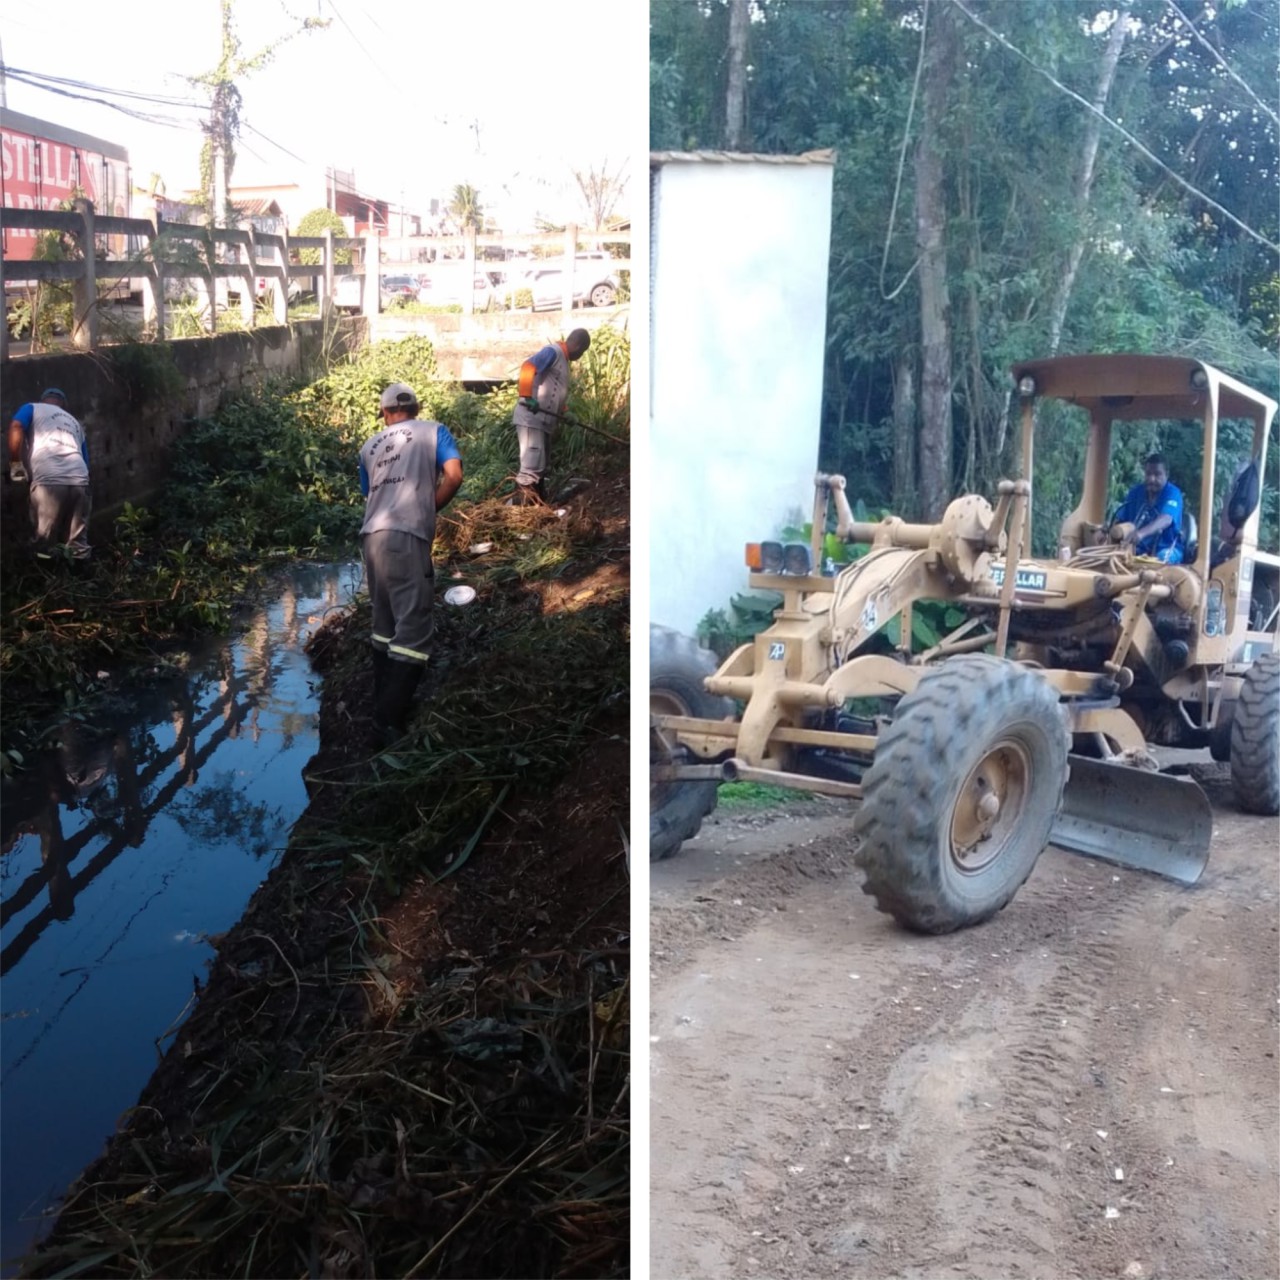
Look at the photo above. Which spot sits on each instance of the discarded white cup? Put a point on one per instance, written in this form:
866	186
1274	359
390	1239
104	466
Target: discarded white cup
460	595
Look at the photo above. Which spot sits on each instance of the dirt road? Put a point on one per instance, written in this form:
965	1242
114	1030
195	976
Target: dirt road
1084	1087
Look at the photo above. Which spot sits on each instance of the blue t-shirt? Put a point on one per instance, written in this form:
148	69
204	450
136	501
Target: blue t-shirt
446	448
1140	510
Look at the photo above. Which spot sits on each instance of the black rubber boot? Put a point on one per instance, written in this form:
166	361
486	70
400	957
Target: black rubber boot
380	663
395	697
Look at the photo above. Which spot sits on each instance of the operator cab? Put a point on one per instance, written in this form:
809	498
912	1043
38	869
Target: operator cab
1214	433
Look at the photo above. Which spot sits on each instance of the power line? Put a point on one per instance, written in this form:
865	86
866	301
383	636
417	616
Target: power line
1124	133
380	69
169	122
370	17
274	143
1221	61
159	100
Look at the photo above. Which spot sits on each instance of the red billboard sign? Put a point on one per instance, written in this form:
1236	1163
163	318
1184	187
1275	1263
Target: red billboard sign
42	169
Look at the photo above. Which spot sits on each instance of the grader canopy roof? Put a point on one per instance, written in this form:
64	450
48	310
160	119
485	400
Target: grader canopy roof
1142	387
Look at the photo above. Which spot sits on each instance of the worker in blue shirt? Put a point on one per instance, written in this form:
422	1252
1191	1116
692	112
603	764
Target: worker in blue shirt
48	447
1154	509
543	391
408	473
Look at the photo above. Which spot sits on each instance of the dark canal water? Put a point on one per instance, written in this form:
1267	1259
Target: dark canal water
123	849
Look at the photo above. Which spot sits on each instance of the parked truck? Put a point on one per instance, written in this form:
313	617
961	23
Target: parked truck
44	165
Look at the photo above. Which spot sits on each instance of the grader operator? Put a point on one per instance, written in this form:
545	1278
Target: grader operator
1031	720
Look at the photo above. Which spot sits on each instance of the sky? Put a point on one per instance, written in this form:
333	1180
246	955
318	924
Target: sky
411	97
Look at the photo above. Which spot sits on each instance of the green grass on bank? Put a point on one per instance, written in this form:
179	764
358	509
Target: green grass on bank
758	795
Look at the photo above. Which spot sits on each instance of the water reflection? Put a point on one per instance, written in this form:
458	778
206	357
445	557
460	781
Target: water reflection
131	840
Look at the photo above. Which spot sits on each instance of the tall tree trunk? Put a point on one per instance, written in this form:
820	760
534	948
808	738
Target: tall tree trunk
1084	178
931	243
735	110
905	487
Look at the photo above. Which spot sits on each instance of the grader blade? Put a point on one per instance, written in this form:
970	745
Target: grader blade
1135	818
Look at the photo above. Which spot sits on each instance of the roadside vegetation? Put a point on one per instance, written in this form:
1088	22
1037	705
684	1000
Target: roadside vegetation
749	796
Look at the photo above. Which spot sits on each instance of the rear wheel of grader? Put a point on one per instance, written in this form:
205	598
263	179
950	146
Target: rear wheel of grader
1255	738
677	668
963	791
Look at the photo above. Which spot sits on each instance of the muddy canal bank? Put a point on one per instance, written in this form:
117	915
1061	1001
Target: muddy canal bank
409	1057
139	833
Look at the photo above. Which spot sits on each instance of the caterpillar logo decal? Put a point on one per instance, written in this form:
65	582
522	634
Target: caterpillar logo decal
1026	580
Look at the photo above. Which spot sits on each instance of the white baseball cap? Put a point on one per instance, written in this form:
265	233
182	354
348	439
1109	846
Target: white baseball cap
399	396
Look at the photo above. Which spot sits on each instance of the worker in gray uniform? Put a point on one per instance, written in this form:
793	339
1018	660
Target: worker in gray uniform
543	389
409	472
47	446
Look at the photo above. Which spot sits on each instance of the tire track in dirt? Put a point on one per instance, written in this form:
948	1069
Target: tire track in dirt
964	1099
939	1113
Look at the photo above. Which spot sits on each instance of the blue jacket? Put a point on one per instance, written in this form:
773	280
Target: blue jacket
1139	510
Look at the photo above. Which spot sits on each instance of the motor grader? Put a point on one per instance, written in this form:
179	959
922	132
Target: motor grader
1032	719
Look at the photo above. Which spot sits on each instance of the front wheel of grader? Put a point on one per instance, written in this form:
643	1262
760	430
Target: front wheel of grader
962	794
677	668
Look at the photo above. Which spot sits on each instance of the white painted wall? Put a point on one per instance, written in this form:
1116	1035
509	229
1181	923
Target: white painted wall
739	297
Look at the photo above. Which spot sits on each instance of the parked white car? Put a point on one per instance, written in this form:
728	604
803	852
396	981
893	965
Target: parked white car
595	283
445	284
348	293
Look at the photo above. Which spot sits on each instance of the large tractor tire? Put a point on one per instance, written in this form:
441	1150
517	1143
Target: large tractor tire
1255	738
677	668
962	794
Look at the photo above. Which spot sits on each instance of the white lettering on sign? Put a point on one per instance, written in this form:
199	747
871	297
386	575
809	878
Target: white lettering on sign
1026	579
42	174
777	651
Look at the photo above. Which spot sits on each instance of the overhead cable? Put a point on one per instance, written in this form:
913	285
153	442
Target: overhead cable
1221	61
1124	133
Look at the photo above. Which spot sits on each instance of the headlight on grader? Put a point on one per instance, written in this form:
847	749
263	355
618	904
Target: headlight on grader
795	558
773	557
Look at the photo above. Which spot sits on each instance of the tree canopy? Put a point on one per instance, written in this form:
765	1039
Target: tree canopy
1069	205
316	223
465	208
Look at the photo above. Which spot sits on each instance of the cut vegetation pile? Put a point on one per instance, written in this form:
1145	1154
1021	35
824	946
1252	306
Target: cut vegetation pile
411	1056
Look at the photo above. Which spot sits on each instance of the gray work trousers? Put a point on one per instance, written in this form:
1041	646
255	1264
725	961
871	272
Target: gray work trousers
60	513
401	582
535	454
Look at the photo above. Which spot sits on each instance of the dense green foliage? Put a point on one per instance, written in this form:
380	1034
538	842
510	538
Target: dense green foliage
1178	257
273	474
